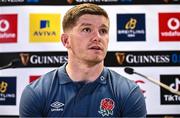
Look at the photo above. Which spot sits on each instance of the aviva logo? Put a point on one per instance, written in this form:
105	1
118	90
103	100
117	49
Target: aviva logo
44	28
44	24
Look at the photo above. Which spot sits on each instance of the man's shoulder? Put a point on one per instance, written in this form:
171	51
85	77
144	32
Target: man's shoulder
45	81
122	86
117	76
120	80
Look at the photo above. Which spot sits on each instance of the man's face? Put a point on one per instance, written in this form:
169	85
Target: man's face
88	39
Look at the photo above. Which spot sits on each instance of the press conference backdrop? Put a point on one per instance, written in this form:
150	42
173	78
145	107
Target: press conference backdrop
144	35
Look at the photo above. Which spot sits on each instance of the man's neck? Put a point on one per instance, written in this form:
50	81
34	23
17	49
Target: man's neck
84	72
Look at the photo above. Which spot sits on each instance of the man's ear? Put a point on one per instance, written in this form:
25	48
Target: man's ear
65	40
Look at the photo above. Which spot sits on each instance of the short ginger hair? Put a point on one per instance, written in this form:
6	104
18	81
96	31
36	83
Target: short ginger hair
73	14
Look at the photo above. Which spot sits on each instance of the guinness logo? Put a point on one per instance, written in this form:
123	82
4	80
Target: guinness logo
120	57
24	58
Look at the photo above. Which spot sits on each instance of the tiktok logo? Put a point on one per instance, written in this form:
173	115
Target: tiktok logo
167	97
175	86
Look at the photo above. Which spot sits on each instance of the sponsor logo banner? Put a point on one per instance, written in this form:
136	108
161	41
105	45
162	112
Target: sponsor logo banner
32	1
142	58
44	28
11	2
167	97
33	59
113	59
7	90
169	26
8	28
131	27
73	2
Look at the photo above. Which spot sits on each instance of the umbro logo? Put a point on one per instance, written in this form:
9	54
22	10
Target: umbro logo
57	106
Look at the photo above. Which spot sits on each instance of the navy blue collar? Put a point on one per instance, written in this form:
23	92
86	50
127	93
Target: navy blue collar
64	78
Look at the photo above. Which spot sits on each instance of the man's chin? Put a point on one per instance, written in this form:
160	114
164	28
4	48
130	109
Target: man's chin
96	60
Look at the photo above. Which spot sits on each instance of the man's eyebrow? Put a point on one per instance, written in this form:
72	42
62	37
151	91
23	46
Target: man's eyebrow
85	24
88	24
103	25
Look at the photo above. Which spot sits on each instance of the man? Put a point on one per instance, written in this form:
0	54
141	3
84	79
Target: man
83	87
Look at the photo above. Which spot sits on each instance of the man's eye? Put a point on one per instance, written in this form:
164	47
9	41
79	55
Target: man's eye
103	31
86	30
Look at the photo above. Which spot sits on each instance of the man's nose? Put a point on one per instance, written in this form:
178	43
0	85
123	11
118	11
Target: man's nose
97	36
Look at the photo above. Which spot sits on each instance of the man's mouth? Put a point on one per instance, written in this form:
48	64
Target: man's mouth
96	48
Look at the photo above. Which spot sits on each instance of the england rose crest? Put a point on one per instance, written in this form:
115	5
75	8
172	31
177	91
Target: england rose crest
106	107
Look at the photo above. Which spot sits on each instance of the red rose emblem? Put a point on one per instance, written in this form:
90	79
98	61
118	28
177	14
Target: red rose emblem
106	107
107	104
